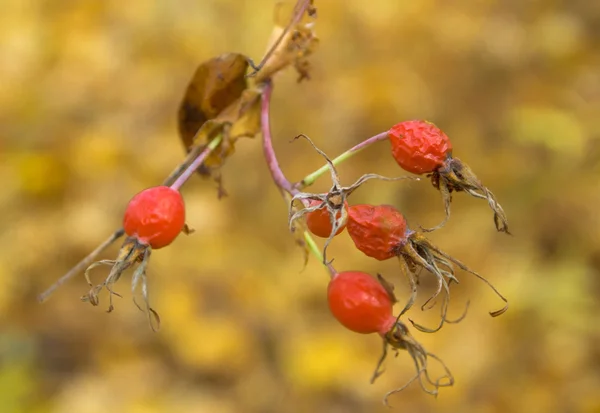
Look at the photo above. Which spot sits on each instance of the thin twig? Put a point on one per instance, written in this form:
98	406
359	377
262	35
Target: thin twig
193	154
81	265
196	163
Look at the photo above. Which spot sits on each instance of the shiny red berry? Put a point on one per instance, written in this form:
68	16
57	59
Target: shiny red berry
155	216
360	303
378	231
419	146
319	221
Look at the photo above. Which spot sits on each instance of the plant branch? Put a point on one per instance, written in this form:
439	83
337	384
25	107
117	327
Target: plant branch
81	265
279	178
176	178
276	173
312	177
314	248
193	154
196	163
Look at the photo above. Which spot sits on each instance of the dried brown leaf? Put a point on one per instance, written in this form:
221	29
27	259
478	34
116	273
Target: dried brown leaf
290	43
243	115
218	101
216	84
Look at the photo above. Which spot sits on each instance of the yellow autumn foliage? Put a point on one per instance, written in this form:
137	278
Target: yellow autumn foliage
89	94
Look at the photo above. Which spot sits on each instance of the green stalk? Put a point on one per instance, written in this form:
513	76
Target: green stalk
312	177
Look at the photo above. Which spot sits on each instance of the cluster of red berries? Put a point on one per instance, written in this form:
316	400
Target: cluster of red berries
359	301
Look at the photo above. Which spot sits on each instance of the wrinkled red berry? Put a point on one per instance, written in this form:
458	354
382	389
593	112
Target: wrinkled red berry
360	303
155	216
378	231
419	146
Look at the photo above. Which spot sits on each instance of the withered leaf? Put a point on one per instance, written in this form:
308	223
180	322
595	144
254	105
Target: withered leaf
216	84
290	43
243	115
218	101
240	119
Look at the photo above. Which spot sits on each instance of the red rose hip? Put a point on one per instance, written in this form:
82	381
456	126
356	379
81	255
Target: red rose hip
360	303
364	305
419	146
155	216
378	231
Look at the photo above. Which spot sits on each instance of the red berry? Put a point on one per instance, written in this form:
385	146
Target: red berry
155	216
378	231
360	303
419	146
319	221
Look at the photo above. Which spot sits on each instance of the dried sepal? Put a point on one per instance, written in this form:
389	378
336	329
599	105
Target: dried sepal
456	176
448	260
334	200
409	270
187	230
298	229
131	253
421	257
139	276
337	213
419	252
388	287
443	317
399	338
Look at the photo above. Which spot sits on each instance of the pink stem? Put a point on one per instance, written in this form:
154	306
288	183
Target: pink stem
379	137
189	171
280	180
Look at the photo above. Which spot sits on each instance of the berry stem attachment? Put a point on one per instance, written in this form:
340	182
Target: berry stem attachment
196	163
195	152
312	177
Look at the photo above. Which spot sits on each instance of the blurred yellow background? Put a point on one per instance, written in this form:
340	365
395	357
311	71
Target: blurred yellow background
89	92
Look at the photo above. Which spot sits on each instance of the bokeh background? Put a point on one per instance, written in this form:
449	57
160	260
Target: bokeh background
89	92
